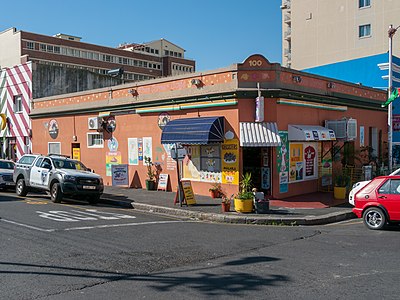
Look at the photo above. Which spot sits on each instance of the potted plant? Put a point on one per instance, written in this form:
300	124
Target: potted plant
340	188
226	203
215	190
244	199
151	174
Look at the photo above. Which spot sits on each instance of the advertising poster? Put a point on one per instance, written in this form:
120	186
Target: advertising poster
310	154
296	162
112	158
133	151
362	136
147	147
76	153
283	162
140	149
191	163
230	161
119	175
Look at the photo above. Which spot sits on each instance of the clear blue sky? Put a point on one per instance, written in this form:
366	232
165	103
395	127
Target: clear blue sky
215	33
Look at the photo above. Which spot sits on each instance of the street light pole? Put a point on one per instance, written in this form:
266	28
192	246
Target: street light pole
391	33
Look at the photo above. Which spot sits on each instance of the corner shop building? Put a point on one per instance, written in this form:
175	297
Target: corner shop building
254	116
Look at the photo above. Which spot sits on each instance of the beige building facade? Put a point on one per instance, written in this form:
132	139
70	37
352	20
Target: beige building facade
320	32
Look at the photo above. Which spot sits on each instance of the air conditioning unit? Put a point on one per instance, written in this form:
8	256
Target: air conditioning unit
94	123
344	129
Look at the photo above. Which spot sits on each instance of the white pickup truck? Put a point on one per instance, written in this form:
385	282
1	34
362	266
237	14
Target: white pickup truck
58	175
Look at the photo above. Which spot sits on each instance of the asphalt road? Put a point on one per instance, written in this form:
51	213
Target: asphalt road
77	251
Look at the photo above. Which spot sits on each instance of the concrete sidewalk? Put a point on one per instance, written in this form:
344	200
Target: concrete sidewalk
209	209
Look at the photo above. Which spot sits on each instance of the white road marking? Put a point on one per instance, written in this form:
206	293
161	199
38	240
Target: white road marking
93	227
126	224
78	215
28	226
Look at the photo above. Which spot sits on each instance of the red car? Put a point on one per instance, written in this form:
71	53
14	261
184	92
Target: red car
378	203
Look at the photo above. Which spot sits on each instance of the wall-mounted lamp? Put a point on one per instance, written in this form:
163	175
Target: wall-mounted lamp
196	82
330	85
296	78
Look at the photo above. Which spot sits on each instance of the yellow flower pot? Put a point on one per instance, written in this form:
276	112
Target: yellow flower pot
243	205
339	192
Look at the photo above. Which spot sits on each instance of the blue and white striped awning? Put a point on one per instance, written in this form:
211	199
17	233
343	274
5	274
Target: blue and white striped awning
259	134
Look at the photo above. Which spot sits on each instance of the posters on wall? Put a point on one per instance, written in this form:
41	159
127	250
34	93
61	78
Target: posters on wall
230	161
283	162
133	151
140	149
296	162
265	178
303	161
147	147
112	158
191	163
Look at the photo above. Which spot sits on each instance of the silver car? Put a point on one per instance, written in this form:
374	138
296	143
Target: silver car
6	174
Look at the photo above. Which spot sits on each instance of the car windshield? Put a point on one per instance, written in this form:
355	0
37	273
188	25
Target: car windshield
6	165
68	164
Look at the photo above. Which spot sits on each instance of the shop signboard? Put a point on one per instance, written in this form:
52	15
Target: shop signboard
188	192
119	175
162	182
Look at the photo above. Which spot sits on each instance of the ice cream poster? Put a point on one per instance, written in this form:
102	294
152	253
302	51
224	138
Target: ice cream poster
133	151
112	158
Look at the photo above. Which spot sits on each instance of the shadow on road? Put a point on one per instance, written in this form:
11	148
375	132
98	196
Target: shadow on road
218	279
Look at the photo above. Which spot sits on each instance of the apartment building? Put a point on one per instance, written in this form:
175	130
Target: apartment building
139	61
34	66
322	32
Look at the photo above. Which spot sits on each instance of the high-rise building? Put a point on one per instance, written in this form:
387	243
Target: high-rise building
322	32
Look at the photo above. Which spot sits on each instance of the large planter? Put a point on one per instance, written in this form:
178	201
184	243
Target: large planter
150	185
243	205
339	192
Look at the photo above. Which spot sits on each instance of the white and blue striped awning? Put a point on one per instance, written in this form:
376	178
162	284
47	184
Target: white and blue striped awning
259	134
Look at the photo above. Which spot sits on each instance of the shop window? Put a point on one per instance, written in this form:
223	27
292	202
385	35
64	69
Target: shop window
95	140
18	103
54	148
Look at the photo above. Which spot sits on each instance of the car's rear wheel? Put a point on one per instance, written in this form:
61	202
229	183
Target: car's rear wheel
374	218
21	188
56	193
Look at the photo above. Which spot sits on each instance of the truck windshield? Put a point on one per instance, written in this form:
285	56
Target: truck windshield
68	164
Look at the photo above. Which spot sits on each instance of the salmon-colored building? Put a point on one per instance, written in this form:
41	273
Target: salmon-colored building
287	128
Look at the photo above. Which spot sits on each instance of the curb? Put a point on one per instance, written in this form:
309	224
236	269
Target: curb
234	219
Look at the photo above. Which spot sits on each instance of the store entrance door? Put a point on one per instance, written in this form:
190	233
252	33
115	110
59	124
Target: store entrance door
257	161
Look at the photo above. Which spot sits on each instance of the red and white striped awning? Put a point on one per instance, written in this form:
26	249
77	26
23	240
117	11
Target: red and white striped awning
259	134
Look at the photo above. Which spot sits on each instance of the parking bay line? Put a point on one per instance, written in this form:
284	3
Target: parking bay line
92	227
